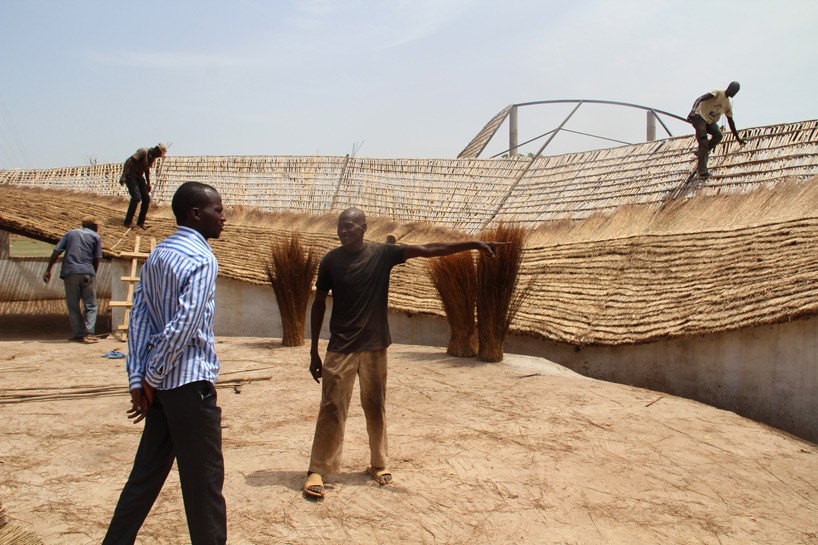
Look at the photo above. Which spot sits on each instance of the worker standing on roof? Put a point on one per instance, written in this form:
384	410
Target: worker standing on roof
136	174
705	115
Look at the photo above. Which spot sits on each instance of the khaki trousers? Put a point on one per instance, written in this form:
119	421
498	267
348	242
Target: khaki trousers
338	379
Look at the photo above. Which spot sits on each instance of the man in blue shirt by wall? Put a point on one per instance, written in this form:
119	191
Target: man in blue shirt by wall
83	250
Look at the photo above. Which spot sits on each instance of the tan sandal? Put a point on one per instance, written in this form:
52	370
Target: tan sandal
381	475
314	486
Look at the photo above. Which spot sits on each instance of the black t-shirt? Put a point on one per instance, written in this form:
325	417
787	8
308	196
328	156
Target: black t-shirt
360	295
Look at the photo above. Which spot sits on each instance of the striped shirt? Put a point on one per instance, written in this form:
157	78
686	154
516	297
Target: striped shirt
170	341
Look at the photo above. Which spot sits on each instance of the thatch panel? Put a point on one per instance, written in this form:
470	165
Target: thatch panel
479	142
625	273
456	194
467	194
102	179
268	183
641	274
672	285
578	185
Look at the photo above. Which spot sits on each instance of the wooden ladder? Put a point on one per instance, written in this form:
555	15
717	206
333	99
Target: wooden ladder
121	332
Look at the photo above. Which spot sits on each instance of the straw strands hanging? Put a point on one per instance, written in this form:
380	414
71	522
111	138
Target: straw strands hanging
499	294
291	270
12	533
455	279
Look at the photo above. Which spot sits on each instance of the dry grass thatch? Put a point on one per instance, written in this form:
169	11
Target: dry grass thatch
498	298
12	533
703	265
468	194
291	270
455	279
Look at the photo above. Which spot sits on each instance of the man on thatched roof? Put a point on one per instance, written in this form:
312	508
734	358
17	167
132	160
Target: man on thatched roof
136	174
357	274
705	115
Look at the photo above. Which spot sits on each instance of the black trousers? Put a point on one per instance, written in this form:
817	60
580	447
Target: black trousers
185	424
706	145
138	188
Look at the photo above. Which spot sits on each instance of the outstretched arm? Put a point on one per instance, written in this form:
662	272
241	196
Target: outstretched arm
319	307
734	131
438	249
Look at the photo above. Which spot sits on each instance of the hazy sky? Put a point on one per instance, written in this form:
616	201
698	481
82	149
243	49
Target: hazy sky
83	80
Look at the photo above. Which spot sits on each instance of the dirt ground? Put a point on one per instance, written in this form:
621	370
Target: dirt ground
519	452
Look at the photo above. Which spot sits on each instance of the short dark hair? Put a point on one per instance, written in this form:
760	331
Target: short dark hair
188	196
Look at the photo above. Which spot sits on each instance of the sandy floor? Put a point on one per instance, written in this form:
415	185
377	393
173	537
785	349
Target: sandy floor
519	452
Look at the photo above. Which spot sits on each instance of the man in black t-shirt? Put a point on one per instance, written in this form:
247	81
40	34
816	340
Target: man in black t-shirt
357	274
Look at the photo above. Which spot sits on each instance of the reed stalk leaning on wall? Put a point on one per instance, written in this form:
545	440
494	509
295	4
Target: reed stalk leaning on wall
454	277
498	296
291	270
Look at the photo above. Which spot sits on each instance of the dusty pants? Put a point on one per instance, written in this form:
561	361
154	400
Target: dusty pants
338	379
706	145
81	286
138	188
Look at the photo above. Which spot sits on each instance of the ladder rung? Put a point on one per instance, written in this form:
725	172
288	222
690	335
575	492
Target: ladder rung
120	304
130	279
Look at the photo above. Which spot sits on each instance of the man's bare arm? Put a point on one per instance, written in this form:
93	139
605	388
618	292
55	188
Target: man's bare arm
439	249
319	307
734	131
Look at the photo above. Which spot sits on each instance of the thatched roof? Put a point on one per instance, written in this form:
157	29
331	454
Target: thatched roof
638	267
468	194
702	265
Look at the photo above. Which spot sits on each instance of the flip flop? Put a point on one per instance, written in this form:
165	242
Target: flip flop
381	475
314	486
114	354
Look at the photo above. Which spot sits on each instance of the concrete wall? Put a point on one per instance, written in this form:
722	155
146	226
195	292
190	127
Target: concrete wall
769	373
21	279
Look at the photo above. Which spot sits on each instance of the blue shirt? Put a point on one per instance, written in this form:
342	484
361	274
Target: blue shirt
170	336
81	247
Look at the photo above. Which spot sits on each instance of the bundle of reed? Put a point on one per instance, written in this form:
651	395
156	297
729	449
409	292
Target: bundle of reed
454	277
14	534
291	270
498	298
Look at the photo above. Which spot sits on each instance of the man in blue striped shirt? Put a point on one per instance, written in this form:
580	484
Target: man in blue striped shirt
172	369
